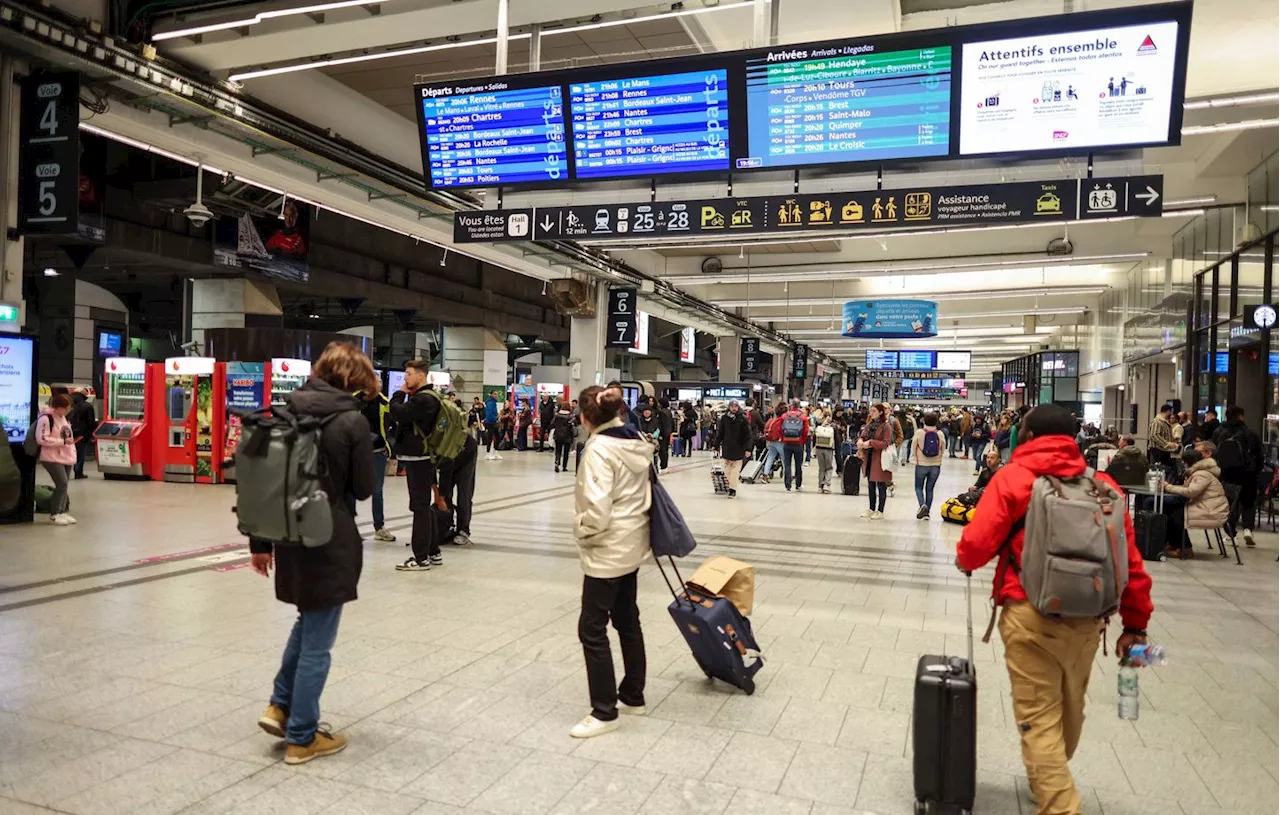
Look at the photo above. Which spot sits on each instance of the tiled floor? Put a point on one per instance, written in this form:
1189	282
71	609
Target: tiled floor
133	687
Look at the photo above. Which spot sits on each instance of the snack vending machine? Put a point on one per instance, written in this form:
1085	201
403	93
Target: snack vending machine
123	439
246	390
185	446
285	376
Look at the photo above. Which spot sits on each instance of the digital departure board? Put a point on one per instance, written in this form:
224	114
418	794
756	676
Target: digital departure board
915	361
881	360
651	125
491	134
838	105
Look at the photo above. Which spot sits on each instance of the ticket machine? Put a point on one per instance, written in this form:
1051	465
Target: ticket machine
189	424
123	439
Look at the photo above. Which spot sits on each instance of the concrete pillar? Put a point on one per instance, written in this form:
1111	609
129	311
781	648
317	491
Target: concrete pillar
651	370
729	354
70	311
587	355
469	352
10	251
232	304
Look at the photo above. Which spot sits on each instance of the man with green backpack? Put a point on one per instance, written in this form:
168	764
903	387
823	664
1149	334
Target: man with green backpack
431	433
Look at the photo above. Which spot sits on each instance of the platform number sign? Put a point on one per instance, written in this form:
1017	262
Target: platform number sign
49	154
801	360
749	357
621	330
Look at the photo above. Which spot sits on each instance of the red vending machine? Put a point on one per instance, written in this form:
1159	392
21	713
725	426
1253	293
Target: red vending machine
123	439
189	446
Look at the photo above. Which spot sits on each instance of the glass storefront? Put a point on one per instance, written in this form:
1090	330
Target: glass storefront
1049	377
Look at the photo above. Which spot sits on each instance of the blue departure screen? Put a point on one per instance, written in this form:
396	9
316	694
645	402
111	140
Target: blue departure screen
671	123
915	360
882	360
847	104
490	135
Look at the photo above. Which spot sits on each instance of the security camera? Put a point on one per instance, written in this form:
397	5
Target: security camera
198	214
191	348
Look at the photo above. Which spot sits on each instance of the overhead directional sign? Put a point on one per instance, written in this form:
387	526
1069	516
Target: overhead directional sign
924	206
49	154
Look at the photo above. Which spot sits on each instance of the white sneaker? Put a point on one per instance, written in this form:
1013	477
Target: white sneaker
383	535
591	726
875	516
497	457
1248	537
632	710
868	513
69	518
61	520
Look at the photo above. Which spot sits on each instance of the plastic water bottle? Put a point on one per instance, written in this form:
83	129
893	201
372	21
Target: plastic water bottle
1149	655
1127	690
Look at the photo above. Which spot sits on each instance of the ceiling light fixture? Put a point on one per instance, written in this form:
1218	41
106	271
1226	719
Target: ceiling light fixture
1233	101
1039	291
550	32
1190	202
49	271
318	8
1228	127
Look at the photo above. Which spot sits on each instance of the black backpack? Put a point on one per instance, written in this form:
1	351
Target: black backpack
1233	452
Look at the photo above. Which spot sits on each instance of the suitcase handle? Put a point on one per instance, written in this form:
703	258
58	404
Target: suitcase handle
968	614
665	579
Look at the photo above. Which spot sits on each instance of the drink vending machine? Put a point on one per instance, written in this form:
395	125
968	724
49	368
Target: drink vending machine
285	376
246	390
123	439
184	447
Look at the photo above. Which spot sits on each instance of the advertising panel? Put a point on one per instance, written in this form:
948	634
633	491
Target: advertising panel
890	319
688	345
17	385
274	247
641	344
1075	89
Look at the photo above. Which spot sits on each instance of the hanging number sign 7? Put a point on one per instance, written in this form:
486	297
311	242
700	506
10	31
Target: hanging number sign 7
621	329
49	154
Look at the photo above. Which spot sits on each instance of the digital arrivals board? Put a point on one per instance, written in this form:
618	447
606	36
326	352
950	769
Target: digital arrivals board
916	361
1066	85
492	134
651	125
846	107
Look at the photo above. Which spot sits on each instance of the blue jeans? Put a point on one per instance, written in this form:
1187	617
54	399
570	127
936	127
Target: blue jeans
303	672
926	477
379	477
790	453
774	454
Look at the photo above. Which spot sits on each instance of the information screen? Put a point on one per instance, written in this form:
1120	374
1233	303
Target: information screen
490	134
819	106
648	125
1105	86
882	360
915	361
17	370
954	360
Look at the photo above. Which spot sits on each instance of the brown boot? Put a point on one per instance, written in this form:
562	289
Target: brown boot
324	744
274	720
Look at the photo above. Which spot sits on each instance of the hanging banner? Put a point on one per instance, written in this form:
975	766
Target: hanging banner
890	319
621	331
641	345
688	345
749	357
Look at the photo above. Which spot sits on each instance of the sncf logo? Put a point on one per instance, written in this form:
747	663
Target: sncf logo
1059	135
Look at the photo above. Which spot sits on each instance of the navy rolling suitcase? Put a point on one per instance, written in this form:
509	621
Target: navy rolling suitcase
717	633
945	728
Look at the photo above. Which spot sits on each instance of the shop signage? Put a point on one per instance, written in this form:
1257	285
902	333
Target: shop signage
49	154
126	365
749	356
189	366
922	207
1261	317
890	319
800	361
621	331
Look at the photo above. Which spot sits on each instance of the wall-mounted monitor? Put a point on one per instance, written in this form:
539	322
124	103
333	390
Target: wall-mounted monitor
881	360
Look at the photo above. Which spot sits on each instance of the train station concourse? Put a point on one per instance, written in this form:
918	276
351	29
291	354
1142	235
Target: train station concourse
727	407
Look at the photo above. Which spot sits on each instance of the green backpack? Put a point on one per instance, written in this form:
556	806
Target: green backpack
10	477
445	441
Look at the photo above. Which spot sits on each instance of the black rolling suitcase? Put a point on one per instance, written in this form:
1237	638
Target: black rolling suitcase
851	476
719	636
945	728
1150	530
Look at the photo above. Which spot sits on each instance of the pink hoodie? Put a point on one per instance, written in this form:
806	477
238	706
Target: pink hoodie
52	447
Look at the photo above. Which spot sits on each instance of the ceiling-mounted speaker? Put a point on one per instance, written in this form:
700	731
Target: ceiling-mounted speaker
712	266
1059	247
573	297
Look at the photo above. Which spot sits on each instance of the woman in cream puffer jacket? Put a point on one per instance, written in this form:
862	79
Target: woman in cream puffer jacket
1207	505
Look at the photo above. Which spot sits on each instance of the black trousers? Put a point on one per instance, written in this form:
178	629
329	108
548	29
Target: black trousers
542	437
419	476
605	599
460	478
875	489
686	446
562	452
664	453
490	436
1246	507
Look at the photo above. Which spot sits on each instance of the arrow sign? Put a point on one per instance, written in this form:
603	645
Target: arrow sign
1150	196
546	223
1136	195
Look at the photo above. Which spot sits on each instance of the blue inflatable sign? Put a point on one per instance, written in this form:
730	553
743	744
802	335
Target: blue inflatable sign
890	319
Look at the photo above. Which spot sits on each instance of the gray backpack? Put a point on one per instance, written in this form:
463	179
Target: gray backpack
280	494
1074	555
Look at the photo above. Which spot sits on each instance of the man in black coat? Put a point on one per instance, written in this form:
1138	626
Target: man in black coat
83	422
736	441
1240	455
415	409
666	429
546	417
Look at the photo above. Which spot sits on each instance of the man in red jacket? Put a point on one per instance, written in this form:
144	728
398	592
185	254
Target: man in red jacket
1049	659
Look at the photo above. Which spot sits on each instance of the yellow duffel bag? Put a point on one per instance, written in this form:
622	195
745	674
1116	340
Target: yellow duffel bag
957	511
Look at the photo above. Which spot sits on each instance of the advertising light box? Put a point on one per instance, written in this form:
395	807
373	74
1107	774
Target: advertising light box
17	385
1075	89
